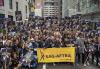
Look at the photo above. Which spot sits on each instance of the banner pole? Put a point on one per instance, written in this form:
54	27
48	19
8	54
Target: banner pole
44	66
75	63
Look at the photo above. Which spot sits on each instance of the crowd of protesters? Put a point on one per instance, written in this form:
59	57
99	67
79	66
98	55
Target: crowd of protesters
40	32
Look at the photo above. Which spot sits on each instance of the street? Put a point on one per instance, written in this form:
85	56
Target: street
49	34
67	66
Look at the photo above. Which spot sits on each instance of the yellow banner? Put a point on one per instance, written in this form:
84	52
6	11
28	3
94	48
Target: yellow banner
50	55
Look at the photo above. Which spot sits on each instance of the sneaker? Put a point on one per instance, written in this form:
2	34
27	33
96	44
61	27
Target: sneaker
85	65
88	63
54	64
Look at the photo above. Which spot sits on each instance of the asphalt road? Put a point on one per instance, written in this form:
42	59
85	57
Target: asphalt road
66	66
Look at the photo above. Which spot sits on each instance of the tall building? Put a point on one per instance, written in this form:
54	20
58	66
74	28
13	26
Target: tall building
32	7
14	9
69	7
65	11
52	8
90	9
38	8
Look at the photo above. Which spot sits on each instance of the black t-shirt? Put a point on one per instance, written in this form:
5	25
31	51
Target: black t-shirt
14	62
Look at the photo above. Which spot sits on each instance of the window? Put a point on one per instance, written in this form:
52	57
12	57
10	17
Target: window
1	2
49	3
98	3
10	4
78	5
26	9
16	6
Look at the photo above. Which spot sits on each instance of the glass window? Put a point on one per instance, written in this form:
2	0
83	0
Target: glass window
1	2
26	9
10	4
16	6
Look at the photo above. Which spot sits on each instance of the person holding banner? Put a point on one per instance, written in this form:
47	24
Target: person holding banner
81	47
97	50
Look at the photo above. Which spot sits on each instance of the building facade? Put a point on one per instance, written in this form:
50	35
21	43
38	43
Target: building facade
31	8
51	8
90	9
69	7
64	8
39	8
10	9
